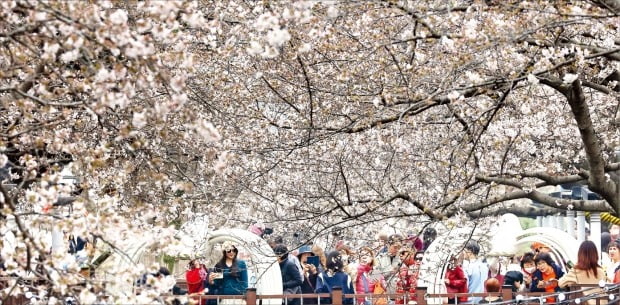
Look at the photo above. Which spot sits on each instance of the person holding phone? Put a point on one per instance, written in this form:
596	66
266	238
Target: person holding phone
310	264
231	274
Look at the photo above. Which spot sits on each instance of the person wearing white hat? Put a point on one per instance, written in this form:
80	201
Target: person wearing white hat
231	274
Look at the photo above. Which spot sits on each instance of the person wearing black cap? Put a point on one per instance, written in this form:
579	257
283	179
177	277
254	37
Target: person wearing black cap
334	276
291	278
514	279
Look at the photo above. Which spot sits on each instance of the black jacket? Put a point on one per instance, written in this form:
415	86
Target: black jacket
308	286
291	277
537	276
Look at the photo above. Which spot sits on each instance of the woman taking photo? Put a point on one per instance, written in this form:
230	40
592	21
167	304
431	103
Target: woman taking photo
586	271
231	274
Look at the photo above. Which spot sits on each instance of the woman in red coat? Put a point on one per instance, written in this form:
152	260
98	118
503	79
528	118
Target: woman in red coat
455	280
196	275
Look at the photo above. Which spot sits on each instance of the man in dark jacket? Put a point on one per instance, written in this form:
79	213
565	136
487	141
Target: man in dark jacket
291	278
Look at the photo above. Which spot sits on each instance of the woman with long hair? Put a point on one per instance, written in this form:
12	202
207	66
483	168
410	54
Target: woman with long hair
195	276
586	271
231	274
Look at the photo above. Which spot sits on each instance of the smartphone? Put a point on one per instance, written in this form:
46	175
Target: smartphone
313	260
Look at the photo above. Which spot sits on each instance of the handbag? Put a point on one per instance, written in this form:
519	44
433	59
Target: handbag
379	290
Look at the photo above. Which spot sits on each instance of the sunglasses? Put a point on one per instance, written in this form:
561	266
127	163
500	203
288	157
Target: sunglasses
230	250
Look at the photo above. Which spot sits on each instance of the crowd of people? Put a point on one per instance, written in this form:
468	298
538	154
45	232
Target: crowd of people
388	274
535	271
391	269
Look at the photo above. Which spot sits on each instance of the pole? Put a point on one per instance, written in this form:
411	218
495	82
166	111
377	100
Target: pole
539	221
570	223
595	231
581	226
250	296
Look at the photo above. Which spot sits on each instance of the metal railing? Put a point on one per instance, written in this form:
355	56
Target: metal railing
578	294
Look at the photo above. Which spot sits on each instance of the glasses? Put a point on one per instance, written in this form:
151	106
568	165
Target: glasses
230	251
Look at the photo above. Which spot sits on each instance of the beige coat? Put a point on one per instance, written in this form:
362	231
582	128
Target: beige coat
577	277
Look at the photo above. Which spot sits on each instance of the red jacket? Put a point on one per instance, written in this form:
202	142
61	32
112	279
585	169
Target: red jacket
195	282
407	281
362	273
458	282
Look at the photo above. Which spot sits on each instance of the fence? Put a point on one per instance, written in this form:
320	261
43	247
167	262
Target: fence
581	294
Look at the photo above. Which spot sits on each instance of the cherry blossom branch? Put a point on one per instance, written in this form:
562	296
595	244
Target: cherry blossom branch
415	108
597	181
566	204
518	209
310	94
46	103
270	86
418	18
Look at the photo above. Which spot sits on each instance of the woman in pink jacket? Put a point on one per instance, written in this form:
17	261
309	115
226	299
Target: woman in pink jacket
365	279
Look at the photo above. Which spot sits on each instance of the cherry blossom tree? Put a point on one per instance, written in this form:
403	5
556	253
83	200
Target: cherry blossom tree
99	88
350	113
310	116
